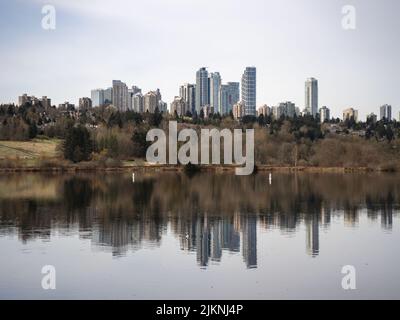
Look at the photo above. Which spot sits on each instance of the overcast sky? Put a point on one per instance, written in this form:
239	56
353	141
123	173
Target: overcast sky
161	43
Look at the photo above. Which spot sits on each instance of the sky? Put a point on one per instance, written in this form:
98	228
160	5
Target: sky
161	43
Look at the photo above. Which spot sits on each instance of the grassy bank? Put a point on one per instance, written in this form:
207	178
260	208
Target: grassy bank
133	167
45	155
29	149
28	153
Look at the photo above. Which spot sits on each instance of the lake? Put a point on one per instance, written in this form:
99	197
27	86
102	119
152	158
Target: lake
207	236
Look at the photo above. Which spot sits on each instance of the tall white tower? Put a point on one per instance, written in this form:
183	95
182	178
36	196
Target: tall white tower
215	83
311	96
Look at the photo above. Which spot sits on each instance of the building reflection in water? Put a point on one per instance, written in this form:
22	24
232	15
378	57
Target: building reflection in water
210	215
312	235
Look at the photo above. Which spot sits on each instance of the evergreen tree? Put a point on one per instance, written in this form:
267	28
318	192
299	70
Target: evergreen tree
33	131
155	118
77	145
140	144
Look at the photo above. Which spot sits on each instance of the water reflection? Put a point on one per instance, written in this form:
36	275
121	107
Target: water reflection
209	214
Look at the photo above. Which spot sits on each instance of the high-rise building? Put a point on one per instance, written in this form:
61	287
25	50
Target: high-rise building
249	90
137	102
108	96
120	96
66	106
238	110
23	99
286	109
178	106
46	102
225	108
264	110
136	89
386	112
97	96
162	106
188	93
130	99
215	83
311	93
85	103
350	113
324	114
158	93
202	92
150	101
234	93
229	95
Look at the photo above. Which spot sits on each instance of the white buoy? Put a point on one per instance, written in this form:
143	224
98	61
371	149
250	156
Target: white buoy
133	177
270	178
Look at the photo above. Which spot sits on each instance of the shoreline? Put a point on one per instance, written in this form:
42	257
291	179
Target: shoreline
180	168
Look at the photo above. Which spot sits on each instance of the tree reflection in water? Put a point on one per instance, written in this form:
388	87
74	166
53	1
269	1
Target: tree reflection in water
208	213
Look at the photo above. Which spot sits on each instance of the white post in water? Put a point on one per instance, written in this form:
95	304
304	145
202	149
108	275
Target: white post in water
270	179
133	177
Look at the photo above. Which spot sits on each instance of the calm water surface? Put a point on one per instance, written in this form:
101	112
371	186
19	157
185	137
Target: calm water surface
217	236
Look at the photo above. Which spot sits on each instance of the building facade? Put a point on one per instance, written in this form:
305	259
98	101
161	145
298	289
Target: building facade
137	102
285	109
136	89
188	93
150	102
386	112
202	89
97	96
108	95
264	110
85	103
350	113
229	95
162	106
249	90
311	94
178	106
215	84
239	110
120	95
324	114
44	101
67	106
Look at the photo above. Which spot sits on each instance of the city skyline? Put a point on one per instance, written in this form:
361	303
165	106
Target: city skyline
311	105
223	101
350	62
